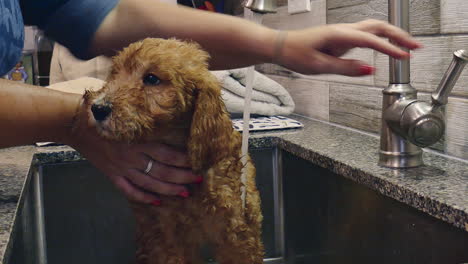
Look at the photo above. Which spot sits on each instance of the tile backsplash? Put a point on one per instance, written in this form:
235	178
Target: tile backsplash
441	26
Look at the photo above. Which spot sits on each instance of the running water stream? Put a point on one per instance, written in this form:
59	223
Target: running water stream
256	18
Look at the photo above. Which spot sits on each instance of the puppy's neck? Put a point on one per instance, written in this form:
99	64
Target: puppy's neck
171	136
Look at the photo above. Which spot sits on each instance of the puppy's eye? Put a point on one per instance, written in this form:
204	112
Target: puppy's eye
151	79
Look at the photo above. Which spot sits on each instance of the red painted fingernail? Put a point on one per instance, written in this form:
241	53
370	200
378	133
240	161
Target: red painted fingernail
199	179
366	69
184	194
156	202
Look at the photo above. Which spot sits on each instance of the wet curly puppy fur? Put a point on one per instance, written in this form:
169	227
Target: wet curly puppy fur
161	90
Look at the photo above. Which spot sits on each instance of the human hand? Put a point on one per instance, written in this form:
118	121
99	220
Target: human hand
125	164
317	50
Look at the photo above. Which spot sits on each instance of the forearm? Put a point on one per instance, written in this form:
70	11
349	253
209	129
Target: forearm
231	41
33	114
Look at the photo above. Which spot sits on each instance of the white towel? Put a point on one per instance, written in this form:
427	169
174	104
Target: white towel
268	97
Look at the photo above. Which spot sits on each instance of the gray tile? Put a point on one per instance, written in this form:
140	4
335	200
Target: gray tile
457	127
284	21
453	16
376	9
356	106
310	97
332	4
424	14
424	17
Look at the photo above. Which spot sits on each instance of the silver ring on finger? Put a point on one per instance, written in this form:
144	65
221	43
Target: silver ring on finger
149	166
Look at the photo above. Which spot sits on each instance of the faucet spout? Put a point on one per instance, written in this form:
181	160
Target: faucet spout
398	15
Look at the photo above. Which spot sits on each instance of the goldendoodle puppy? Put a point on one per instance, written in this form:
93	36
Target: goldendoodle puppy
161	90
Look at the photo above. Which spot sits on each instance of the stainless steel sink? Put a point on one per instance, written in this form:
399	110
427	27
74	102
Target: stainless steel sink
330	219
70	213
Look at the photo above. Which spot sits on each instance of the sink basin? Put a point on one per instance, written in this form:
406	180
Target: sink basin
331	219
69	213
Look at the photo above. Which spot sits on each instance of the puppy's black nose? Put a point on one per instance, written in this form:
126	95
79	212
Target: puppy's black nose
101	112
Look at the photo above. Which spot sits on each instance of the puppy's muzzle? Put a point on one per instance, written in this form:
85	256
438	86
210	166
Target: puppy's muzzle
101	111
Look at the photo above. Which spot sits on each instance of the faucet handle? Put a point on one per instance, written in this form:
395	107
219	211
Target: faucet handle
440	97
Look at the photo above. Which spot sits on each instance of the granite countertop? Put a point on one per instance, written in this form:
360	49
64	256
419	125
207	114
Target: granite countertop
440	188
14	167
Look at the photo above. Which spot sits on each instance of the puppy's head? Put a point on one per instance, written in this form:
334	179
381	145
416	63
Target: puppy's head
152	84
157	85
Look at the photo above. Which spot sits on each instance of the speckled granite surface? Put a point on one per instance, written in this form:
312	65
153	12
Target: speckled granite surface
14	167
440	188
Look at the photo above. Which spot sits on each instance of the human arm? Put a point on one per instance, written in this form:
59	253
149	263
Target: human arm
224	37
234	42
32	114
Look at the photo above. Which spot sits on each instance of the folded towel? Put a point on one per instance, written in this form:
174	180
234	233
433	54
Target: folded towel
268	97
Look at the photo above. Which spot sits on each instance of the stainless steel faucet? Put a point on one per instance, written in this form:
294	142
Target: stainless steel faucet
261	6
409	124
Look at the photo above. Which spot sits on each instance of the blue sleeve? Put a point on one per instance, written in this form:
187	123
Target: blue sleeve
11	35
72	23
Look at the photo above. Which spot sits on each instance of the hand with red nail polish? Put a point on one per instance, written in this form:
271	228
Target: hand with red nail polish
184	194
199	179
319	49
156	202
366	70
168	174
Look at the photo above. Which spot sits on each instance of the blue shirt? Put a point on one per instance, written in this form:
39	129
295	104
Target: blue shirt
11	35
72	23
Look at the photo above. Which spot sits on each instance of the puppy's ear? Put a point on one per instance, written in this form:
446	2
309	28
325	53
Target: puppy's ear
211	129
